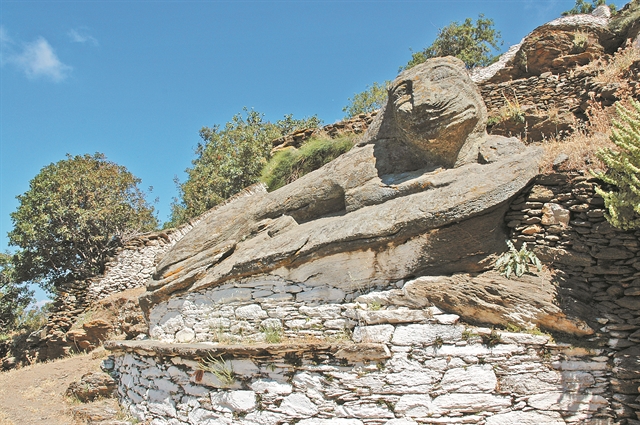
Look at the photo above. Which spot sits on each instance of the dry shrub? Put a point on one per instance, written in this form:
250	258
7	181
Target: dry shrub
581	146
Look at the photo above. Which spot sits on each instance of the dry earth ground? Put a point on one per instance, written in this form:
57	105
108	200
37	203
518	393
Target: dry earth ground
35	394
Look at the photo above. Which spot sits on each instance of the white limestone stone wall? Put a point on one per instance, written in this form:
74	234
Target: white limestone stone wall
246	310
134	264
408	363
426	374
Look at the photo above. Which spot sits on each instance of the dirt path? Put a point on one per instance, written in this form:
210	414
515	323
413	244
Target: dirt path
35	394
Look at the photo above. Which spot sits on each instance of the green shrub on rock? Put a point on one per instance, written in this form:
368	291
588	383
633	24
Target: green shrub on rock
291	164
623	203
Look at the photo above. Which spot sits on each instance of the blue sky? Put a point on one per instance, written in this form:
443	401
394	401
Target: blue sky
136	80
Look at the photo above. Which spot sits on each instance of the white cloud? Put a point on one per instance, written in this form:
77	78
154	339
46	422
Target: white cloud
38	59
4	37
80	35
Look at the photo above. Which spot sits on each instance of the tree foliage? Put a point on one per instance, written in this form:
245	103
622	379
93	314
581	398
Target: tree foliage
471	42
75	214
584	7
623	204
229	159
367	101
14	297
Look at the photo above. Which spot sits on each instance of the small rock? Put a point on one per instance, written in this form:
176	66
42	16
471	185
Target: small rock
91	386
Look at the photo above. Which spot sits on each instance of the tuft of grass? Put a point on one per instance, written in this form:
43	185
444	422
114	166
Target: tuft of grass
513	328
219	368
468	334
289	165
493	339
375	305
512	109
272	334
580	41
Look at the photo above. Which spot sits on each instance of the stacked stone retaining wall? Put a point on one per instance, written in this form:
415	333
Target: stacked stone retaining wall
380	359
563	220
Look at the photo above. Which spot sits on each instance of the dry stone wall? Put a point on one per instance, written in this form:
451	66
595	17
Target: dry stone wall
354	125
406	365
134	263
562	219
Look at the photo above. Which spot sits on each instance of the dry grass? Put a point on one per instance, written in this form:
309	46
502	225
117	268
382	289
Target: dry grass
614	68
582	145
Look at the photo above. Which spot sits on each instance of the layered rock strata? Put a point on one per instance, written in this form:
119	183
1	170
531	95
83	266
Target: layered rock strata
407	200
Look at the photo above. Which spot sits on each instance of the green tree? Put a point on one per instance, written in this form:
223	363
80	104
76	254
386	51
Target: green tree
584	7
367	101
228	160
14	297
623	204
75	214
471	42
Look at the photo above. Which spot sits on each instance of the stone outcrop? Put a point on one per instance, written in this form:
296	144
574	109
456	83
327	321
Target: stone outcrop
560	45
391	207
353	125
92	386
528	302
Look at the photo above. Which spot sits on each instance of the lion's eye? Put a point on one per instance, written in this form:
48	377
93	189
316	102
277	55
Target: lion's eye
400	91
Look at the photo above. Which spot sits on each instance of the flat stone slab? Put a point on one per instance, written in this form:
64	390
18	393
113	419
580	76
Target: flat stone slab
348	351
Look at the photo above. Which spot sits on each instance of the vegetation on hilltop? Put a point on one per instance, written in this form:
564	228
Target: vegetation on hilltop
372	99
229	159
583	7
472	42
14	296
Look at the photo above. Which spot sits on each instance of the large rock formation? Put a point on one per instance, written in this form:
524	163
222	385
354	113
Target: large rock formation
410	199
559	45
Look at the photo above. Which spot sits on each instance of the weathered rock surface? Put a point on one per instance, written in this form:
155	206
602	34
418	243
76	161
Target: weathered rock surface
559	45
92	386
491	298
390	208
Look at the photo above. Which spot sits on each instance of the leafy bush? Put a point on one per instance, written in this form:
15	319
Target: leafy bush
291	164
372	99
623	204
32	319
516	261
14	297
471	42
625	18
229	159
